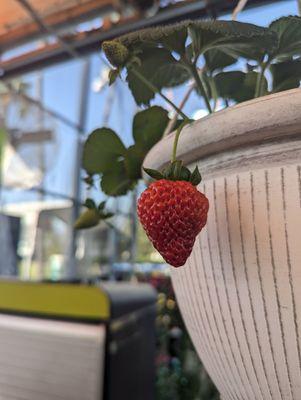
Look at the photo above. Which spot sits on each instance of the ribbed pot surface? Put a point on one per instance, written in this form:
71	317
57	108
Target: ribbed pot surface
240	291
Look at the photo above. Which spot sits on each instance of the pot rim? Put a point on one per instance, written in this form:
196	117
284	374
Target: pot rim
271	118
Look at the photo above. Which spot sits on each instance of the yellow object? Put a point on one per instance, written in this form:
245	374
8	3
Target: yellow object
170	304
54	299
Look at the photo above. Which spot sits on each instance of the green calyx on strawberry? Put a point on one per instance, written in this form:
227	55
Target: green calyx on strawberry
176	171
92	215
173	212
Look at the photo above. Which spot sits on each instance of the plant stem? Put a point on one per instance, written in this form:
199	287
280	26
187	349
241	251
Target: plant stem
259	83
173	121
194	71
214	93
156	90
176	140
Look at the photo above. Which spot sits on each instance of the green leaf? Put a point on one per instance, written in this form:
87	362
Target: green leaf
115	181
232	37
113	75
286	75
133	161
205	35
106	215
175	171
237	85
217	59
154	173
227	83
160	68
159	34
195	177
170	75
149	126
90	203
101	150
172	37
177	167
185	174
101	206
176	39
288	31
87	219
249	87
168	171
89	180
141	93
235	38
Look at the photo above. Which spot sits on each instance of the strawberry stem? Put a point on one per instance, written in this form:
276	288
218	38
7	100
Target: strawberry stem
176	140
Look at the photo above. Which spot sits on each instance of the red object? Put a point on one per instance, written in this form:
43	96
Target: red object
173	214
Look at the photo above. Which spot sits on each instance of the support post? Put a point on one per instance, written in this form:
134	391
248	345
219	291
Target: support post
83	106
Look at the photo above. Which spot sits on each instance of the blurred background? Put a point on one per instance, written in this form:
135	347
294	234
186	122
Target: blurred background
53	93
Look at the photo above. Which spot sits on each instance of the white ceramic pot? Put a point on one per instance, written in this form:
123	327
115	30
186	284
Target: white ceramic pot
240	291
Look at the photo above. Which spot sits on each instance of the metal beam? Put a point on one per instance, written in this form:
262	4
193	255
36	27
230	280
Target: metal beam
46	29
77	183
20	137
60	21
40	106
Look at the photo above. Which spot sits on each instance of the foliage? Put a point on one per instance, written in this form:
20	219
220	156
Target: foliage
92	215
120	167
229	62
117	167
176	171
171	55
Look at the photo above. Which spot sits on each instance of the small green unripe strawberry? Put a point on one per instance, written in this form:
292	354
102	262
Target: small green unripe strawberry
115	52
87	219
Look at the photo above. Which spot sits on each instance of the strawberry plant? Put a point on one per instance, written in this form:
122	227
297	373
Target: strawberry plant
226	62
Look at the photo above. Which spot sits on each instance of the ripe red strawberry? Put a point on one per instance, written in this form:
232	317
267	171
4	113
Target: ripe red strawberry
173	212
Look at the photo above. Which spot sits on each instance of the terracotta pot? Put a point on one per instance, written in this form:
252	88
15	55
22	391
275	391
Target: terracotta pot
240	291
